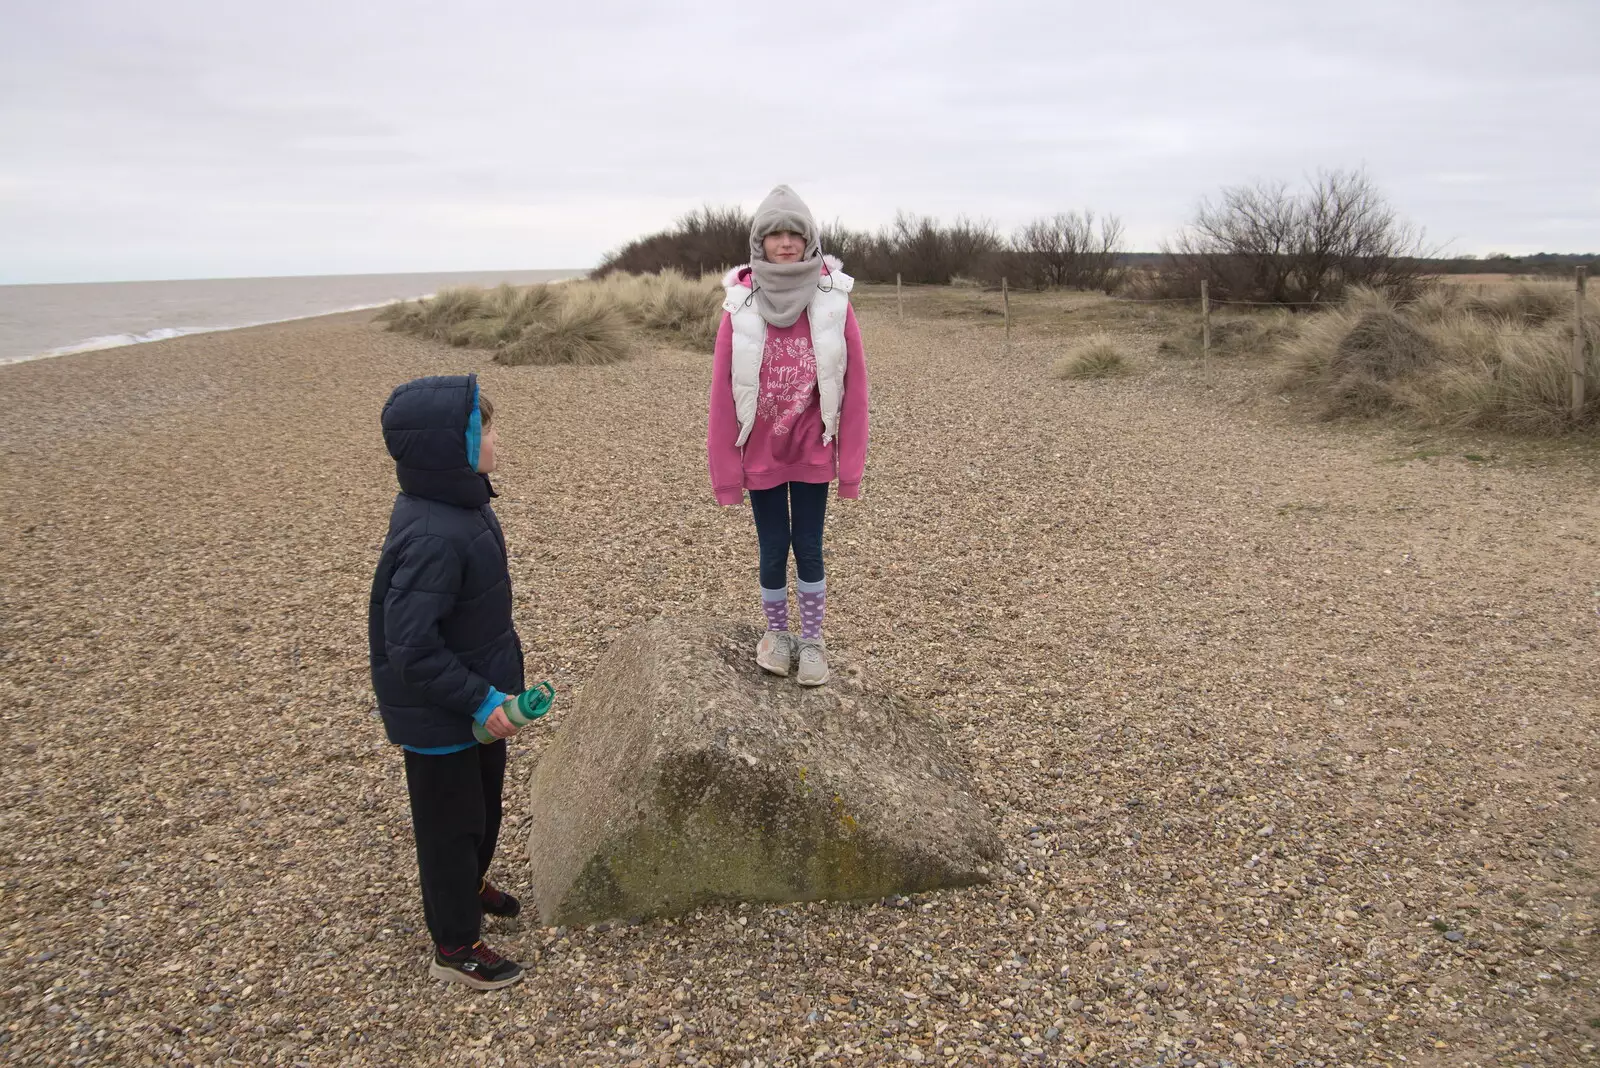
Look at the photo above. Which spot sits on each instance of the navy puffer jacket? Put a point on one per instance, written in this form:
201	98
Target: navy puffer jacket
439	620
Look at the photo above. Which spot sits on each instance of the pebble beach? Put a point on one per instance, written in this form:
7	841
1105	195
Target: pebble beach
1290	728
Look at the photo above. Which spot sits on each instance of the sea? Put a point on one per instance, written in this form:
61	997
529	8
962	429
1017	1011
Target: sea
38	321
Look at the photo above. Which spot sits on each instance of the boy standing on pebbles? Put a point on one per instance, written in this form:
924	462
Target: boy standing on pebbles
444	657
788	415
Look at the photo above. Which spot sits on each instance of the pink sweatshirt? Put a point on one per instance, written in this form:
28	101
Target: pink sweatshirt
785	445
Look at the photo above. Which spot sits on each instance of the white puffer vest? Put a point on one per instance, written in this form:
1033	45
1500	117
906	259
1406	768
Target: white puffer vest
827	314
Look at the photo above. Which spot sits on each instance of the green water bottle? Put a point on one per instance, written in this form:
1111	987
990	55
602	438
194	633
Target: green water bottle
521	710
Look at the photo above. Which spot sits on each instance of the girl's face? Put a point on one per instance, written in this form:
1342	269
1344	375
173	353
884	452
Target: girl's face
783	246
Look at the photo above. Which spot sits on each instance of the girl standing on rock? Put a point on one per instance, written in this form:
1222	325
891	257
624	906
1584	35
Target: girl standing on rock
788	415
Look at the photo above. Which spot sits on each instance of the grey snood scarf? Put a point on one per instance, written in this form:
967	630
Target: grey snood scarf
784	290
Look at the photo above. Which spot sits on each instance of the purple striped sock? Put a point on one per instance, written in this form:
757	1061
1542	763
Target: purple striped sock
775	603
812	603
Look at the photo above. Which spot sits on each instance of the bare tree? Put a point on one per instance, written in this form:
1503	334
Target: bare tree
861	251
1067	250
923	251
710	238
920	248
1265	243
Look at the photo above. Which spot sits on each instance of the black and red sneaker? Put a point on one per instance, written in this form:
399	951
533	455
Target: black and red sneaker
476	966
497	902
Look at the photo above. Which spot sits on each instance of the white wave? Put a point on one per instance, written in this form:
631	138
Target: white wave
113	341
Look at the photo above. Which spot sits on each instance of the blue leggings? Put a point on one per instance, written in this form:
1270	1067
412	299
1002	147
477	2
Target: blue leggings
790	514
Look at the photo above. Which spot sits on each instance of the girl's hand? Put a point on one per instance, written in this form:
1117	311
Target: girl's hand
498	725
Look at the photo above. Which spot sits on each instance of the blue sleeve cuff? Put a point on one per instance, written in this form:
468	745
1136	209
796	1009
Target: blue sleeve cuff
490	703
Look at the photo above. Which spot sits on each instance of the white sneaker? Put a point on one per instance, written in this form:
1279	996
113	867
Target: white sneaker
813	663
775	651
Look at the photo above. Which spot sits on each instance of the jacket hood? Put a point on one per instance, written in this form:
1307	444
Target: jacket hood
782	209
740	275
430	426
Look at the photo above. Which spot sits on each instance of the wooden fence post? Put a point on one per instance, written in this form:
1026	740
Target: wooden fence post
899	297
1578	345
1005	295
1205	323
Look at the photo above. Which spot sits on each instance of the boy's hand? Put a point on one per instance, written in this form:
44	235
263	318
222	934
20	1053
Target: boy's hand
498	725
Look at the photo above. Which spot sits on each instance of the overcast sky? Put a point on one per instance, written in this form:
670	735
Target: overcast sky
191	138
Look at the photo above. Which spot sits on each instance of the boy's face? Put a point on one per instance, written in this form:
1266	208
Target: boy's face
486	449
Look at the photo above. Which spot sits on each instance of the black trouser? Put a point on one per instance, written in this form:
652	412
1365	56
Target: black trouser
790	514
455	812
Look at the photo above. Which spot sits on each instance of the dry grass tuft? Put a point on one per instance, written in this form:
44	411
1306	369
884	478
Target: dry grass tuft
587	322
1097	356
1523	304
522	307
485	333
1380	349
582	331
1246	334
1450	358
685	309
1531	303
436	317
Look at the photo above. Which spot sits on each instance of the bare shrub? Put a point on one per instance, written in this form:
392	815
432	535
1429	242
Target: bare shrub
1072	249
1265	243
1067	251
709	239
924	252
920	249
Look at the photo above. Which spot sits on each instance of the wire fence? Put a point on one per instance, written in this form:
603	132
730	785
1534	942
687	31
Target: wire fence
1280	303
1217	301
1577	364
